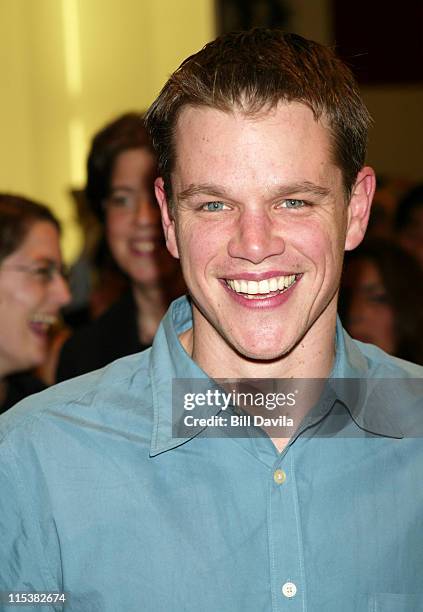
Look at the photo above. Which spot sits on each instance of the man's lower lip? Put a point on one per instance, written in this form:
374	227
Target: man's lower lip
266	302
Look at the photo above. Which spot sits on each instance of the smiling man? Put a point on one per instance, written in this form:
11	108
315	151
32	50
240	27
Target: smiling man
261	139
260	220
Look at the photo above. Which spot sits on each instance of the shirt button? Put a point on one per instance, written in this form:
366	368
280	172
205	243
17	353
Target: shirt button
289	589
279	476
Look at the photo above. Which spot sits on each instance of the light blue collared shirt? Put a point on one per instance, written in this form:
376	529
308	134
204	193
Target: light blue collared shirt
99	500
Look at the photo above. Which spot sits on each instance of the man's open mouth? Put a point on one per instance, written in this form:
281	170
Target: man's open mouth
259	290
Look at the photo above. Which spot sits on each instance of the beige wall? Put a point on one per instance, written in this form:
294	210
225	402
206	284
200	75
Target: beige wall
68	66
396	140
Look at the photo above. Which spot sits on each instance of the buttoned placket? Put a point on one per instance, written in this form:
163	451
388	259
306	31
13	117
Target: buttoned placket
286	554
285	544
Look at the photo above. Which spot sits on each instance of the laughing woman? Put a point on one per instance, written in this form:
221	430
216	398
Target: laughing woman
32	291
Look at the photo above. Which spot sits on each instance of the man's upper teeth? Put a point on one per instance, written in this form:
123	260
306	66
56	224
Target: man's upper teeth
44	318
264	286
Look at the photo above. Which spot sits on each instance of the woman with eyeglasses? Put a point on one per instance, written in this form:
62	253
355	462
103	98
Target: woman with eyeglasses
32	291
121	170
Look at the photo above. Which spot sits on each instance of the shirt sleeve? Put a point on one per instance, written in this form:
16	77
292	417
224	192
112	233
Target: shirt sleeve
28	542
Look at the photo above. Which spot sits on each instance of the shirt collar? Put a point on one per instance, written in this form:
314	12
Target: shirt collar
350	376
170	361
356	388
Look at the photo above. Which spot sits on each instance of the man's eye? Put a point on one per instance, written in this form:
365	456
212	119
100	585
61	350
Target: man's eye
213	206
293	203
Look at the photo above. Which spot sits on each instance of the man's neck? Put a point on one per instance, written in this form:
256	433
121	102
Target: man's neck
312	357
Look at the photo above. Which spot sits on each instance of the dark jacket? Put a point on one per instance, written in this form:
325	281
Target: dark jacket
19	386
114	334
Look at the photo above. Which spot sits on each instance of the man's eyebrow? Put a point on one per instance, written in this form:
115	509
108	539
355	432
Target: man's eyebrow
306	187
202	188
302	187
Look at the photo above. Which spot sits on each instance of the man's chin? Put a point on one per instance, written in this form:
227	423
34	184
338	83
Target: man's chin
263	353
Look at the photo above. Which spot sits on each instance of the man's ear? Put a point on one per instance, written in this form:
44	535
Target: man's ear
359	207
168	222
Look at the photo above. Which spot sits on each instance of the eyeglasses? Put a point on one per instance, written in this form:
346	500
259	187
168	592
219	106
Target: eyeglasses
44	273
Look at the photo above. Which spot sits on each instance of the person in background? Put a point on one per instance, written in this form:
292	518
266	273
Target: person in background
121	169
32	291
409	223
381	299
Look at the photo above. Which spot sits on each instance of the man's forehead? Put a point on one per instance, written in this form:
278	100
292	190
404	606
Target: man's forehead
205	123
231	159
288	130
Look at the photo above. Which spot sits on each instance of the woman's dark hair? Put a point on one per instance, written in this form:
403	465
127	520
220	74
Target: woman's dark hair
402	278
17	216
124	133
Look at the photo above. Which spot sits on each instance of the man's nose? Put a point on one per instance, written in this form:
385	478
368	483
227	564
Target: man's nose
147	211
256	238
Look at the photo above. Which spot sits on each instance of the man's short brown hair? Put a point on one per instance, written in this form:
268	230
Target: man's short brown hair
253	71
